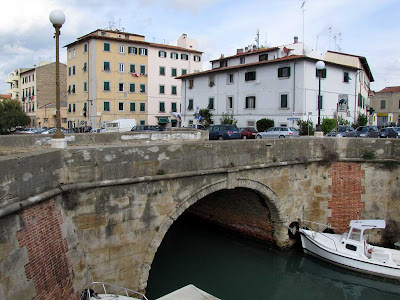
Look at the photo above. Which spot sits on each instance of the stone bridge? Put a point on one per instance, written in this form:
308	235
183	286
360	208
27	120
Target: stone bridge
99	213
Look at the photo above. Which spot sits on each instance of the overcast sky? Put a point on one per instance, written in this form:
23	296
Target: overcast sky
367	28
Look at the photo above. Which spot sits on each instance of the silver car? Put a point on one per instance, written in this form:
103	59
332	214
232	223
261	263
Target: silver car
278	132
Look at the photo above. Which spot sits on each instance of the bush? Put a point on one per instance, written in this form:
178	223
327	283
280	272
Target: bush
341	121
327	125
264	124
362	120
228	119
305	127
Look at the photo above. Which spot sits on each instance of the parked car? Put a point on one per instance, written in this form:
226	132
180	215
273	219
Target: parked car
340	131
389	132
223	132
366	131
248	133
144	128
198	126
278	132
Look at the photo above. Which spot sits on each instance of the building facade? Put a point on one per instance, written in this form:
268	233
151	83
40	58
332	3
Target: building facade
386	106
13	80
113	75
278	83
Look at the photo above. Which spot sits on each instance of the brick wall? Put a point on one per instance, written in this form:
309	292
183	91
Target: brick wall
48	266
46	83
346	192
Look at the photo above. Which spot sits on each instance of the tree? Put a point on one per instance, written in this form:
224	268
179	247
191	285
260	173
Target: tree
306	127
342	121
228	119
362	120
12	115
206	116
264	124
327	125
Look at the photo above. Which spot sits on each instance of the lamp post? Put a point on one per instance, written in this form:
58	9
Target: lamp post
320	65
57	18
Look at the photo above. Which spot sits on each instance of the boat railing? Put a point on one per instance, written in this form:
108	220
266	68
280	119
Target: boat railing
334	242
113	287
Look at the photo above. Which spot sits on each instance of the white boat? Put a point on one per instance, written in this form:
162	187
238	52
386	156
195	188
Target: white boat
351	250
106	291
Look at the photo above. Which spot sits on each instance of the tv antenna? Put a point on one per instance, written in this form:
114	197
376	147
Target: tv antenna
303	12
258	38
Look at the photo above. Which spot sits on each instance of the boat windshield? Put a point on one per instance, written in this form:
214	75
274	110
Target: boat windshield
355	234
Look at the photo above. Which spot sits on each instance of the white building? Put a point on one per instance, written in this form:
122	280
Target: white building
279	83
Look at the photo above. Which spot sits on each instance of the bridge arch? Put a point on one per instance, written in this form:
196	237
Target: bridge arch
267	194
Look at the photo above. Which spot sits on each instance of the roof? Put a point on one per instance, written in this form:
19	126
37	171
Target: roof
390	89
277	60
174	48
363	61
367	224
5	96
245	53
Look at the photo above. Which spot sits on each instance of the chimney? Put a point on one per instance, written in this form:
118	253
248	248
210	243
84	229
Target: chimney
246	49
238	51
296	39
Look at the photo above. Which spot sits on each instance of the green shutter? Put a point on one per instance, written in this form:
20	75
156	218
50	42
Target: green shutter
190	107
162	89
173	106
162	106
142	107
132	69
106	106
132	106
132	88
142	69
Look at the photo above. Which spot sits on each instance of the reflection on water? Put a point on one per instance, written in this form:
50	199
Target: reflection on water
231	268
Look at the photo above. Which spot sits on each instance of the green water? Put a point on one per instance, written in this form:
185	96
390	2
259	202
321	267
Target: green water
229	267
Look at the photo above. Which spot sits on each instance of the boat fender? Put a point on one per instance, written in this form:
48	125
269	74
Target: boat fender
293	230
328	230
87	294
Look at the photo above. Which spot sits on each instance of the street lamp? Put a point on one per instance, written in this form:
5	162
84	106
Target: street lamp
57	18
320	65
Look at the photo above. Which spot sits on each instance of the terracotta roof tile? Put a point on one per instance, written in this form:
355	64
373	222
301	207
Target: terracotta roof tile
390	89
245	53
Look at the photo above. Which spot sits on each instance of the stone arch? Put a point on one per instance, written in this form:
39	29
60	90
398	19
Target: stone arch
267	194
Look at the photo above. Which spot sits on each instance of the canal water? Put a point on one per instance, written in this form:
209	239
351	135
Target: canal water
230	267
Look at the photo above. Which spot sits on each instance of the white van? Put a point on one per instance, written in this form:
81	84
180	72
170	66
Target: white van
120	125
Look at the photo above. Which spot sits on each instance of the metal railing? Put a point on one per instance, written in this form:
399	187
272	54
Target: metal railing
126	292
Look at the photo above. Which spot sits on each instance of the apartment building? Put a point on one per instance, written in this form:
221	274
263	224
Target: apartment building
113	74
13	80
280	83
37	93
386	106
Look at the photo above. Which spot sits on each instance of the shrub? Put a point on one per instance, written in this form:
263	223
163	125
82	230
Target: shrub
228	118
368	154
264	124
305	127
327	125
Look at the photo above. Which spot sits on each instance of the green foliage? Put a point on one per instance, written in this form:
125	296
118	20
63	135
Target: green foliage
206	116
369	154
264	124
228	118
305	127
362	120
11	115
327	125
341	121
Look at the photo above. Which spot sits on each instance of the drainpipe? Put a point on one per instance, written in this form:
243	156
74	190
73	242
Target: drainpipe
294	88
355	97
184	107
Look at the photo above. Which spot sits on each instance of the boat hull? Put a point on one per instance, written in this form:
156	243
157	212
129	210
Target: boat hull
354	263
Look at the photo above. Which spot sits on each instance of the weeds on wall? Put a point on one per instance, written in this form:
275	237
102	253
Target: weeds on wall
328	157
368	154
70	199
389	165
161	172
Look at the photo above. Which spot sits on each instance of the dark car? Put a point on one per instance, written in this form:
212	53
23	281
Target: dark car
341	131
144	128
248	133
367	132
224	132
389	132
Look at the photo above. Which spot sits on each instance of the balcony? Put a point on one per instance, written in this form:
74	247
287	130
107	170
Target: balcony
12	78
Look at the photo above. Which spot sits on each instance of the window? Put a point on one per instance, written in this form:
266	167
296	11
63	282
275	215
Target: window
184	71
223	63
162	107
383	104
284	101
263	57
73	107
162	71
191	83
162	54
142	122
323	74
346	77
85	48
174	72
73	70
121	87
106	106
84	66
251	102
174	55
284	72
230	78
173	90
121	67
132	68
69	71
132	106
162	89
106	47
69	54
106	66
73	89
132	88
190	106
121	49
142	69
121	106
132	50
197	58
321	102
33	77
184	56
143	51
210	103
85	86
73	52
399	104
360	100
106	85
242	60
142	88
229	102
142	107
250	76
211	81
173	106
69	107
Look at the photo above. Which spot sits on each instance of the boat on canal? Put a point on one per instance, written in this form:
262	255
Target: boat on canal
351	250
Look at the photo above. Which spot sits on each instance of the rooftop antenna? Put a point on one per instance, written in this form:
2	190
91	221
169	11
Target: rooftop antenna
258	38
334	37
303	10
340	41
316	46
330	32
266	39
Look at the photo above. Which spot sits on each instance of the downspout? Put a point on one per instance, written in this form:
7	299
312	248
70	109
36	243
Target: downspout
355	97
294	88
184	107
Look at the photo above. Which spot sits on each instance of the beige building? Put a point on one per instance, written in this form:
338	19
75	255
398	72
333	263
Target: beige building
13	80
386	104
37	93
114	75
